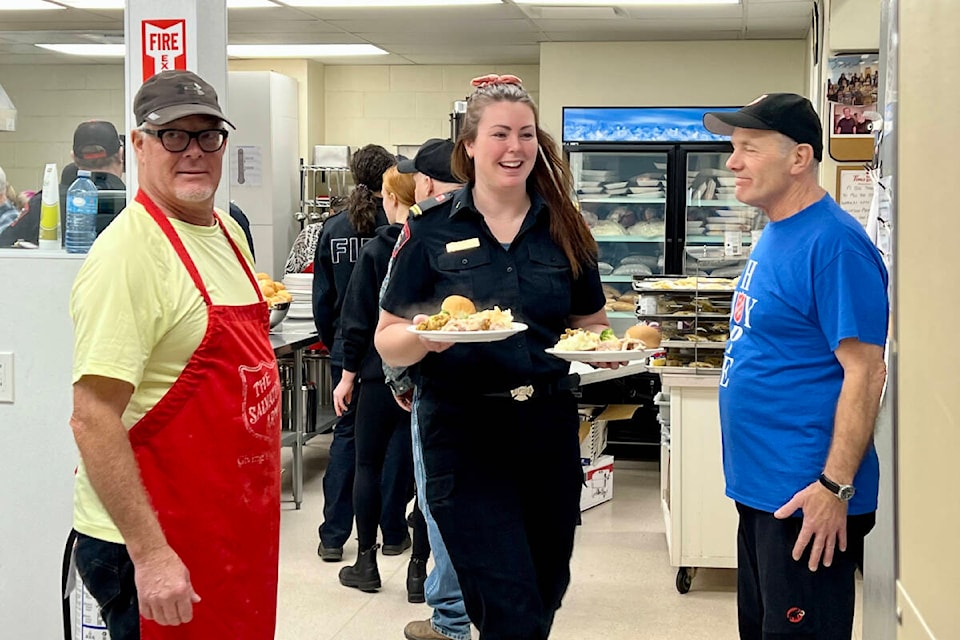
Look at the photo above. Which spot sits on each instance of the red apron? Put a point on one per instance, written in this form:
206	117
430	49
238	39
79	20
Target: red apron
209	456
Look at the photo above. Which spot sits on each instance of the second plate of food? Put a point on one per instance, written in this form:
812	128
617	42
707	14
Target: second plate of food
470	336
603	356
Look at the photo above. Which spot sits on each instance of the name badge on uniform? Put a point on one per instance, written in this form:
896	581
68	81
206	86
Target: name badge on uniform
463	245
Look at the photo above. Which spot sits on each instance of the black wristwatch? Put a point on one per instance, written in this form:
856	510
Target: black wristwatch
843	491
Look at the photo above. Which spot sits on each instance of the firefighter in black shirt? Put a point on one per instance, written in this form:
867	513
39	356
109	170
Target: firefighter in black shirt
512	238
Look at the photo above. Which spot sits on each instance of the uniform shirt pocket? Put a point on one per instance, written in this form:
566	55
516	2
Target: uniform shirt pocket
549	272
466	273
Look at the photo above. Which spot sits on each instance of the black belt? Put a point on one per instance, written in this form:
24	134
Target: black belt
539	390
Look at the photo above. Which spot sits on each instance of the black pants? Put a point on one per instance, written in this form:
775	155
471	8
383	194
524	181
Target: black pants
107	572
779	598
380	424
339	478
421	540
503	483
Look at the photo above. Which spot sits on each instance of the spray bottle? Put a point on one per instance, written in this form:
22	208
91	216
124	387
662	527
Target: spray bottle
50	209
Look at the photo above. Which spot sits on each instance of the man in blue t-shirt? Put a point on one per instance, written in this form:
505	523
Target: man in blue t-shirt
801	382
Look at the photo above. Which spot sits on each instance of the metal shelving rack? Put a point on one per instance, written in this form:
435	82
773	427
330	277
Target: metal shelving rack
318	186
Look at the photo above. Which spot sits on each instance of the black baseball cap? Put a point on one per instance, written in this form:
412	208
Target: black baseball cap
788	113
174	94
95	139
432	160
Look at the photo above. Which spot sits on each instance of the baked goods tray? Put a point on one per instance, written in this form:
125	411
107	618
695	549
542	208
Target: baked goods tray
642	288
690	344
687	371
686	316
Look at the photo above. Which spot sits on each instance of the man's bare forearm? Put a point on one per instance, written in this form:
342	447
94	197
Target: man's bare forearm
855	420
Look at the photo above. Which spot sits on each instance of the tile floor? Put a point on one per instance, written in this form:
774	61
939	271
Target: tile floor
622	587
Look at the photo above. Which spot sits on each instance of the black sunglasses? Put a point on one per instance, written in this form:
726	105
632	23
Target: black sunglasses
177	140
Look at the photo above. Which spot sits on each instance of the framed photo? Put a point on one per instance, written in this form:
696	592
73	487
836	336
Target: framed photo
852	104
846	120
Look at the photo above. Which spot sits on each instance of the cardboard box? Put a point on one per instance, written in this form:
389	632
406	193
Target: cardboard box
593	440
598	478
593	428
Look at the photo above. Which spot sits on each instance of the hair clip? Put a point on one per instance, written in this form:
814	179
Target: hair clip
492	79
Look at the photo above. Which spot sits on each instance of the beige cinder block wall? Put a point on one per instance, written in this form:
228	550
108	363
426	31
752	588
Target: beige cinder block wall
394	105
642	74
51	101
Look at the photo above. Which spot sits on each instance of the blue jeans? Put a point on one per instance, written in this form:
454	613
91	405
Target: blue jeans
442	589
339	477
107	572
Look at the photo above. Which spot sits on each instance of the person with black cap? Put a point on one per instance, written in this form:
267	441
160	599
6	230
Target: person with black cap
97	149
431	170
434	181
801	381
176	394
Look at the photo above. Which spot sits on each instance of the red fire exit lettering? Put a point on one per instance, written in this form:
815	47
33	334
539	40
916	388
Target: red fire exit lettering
164	41
163	44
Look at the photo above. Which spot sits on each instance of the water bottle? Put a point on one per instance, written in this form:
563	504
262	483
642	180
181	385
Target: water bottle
81	214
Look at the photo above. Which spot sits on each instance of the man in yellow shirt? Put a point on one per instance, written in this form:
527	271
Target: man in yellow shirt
176	395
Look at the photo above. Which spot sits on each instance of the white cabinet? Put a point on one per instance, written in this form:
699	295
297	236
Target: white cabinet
264	164
701	522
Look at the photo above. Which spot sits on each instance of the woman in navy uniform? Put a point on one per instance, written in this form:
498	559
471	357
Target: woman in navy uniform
512	238
337	250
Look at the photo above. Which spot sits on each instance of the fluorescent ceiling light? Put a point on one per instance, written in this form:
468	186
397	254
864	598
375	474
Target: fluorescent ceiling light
302	50
363	4
625	3
235	50
250	4
119	4
98	50
27	5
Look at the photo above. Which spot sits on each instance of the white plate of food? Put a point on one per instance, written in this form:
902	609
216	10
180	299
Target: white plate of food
603	356
470	336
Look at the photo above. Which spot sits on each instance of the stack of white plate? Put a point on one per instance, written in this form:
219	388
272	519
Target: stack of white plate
300	286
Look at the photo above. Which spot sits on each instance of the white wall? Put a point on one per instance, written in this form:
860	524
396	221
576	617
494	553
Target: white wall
37	454
51	100
393	105
927	262
854	25
646	74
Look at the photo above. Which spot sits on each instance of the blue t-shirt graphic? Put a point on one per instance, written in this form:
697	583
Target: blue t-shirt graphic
813	280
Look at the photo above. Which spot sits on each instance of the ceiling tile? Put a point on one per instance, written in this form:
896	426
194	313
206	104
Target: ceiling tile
480	35
783	9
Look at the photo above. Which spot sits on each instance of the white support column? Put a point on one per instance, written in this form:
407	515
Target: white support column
198	43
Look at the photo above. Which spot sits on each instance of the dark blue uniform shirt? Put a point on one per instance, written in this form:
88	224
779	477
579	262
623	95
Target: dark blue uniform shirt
449	249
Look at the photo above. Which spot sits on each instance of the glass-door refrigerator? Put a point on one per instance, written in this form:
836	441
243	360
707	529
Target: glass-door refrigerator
654	189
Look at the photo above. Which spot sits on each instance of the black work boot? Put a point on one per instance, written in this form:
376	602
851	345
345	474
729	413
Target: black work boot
363	575
416	575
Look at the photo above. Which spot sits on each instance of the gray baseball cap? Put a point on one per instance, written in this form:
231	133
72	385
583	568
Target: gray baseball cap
174	94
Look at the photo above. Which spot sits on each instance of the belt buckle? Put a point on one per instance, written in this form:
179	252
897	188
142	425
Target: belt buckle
522	393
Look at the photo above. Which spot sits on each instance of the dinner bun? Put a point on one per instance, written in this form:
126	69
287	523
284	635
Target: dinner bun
649	335
458	305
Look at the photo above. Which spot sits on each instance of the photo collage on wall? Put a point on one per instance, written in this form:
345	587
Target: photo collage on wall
852	88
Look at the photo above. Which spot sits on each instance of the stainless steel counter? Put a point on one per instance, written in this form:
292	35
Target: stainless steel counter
292	337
